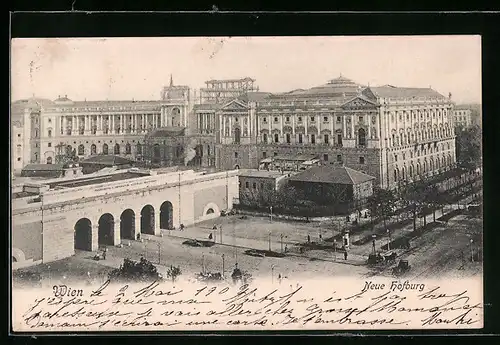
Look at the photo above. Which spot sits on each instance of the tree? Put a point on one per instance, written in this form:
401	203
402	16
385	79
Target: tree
173	272
130	270
468	147
382	203
433	199
413	196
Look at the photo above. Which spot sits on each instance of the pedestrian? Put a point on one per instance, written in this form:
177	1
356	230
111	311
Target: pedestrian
320	237
210	236
308	239
286	248
104	253
345	255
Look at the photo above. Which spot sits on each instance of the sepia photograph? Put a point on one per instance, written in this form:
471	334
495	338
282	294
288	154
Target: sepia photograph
246	183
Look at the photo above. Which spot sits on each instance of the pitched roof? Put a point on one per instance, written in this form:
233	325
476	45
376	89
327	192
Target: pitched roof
389	91
163	132
260	173
332	174
106	160
44	167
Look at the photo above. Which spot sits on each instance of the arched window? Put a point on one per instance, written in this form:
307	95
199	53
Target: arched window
237	135
128	149
81	150
361	137
49	133
418	168
139	149
264	138
93	149
395	174
276	138
49	160
105	149
117	149
411	170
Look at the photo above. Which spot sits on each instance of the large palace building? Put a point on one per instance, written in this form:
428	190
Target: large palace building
392	133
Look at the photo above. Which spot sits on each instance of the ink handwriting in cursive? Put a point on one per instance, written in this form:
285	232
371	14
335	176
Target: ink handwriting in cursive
160	305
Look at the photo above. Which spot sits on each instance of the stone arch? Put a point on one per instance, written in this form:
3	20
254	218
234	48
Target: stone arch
93	149
127	224
83	234
128	149
17	255
116	149
167	216
106	231
211	210
49	160
148	220
236	167
105	149
81	150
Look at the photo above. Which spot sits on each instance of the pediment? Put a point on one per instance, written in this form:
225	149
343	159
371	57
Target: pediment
235	105
359	103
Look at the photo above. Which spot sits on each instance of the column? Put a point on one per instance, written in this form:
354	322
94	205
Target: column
95	238
352	128
344	126
112	124
368	119
318	126
65	124
137	221
157	229
116	231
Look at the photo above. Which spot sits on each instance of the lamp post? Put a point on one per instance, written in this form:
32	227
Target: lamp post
223	265
334	249
373	243
159	253
388	239
271	213
471	251
220	233
281	236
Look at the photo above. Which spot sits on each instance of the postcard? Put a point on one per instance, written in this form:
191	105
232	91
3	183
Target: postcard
246	183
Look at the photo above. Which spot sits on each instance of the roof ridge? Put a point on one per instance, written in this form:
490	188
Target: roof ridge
348	173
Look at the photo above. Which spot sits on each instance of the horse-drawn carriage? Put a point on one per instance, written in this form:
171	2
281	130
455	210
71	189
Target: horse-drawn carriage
388	257
401	268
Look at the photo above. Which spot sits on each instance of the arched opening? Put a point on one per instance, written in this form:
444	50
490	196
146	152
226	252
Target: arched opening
117	149
128	149
106	230
237	135
166	215
148	220
93	149
105	149
236	166
210	211
49	160
361	137
83	235
127	224
81	150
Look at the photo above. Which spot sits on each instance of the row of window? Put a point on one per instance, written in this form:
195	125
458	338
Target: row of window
254	185
421	168
105	149
421	114
312	138
408	139
423	151
311	118
325	157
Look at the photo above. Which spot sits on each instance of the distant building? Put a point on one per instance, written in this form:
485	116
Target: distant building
96	163
462	116
257	187
333	185
51	170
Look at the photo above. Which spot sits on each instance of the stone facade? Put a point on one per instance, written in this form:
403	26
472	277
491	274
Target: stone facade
189	194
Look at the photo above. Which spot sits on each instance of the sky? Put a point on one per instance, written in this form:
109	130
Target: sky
137	68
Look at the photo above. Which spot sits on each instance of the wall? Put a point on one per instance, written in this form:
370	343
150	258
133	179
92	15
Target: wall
27	237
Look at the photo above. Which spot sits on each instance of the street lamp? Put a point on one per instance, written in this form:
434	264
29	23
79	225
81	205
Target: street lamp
269	241
220	233
388	239
373	243
271	212
471	251
281	236
223	265
335	249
